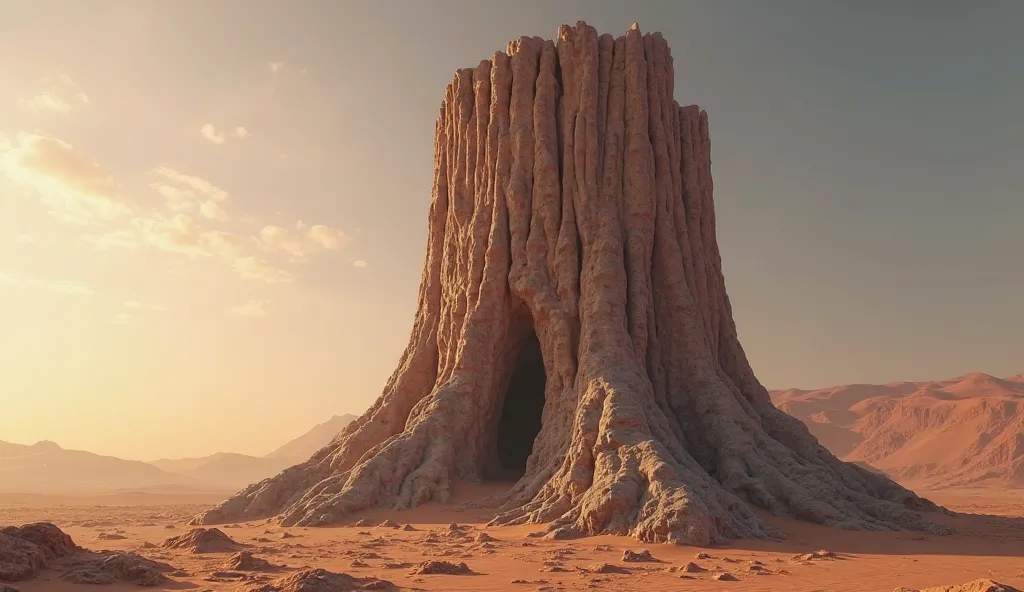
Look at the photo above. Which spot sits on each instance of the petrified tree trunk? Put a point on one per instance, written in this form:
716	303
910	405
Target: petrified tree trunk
572	208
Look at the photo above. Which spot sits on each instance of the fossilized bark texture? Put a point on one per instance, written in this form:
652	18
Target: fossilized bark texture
573	197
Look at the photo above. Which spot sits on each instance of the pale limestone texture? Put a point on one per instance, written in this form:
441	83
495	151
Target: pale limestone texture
573	197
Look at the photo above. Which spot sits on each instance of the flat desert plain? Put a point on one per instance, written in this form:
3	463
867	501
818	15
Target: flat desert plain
988	544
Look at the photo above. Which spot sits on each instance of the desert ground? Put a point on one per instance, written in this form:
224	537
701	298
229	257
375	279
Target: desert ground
987	544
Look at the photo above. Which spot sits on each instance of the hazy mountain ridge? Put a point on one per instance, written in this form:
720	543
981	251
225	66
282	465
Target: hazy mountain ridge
312	441
46	468
967	430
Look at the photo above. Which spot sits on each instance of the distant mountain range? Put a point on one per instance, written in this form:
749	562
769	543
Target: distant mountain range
46	468
963	431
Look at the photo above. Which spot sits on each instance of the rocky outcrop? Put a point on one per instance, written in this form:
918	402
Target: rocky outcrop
109	568
983	585
203	540
573	285
26	550
321	580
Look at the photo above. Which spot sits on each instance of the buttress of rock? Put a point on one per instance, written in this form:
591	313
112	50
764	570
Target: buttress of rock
572	213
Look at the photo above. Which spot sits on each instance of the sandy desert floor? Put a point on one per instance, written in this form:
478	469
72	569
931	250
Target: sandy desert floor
989	544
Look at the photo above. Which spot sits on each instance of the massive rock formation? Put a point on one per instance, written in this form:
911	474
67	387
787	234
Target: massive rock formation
572	299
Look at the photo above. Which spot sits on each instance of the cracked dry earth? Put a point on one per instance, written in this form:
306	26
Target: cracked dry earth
421	549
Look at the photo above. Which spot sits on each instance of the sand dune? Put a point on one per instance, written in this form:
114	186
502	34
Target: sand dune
967	430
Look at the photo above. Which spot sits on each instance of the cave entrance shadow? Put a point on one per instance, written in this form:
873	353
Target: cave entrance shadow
517	420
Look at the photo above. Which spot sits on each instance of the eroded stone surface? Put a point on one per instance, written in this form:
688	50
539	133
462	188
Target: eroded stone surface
573	199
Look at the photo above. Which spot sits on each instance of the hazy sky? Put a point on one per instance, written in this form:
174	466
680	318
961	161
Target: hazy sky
213	214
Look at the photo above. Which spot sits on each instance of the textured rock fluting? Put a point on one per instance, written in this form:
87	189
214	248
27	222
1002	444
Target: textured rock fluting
572	200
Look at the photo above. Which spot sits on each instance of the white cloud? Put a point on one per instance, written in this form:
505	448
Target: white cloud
121	318
327	237
275	67
74	186
62	286
210	132
253	268
276	238
84	98
47	102
253	308
360	263
141	306
241	132
213	211
188	193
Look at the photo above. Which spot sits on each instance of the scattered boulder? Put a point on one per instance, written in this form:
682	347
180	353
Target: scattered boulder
641	556
700	556
110	536
607	568
321	580
409	528
815	555
725	577
441	568
363	523
246	561
982	585
388	524
124	567
203	540
692	567
483	537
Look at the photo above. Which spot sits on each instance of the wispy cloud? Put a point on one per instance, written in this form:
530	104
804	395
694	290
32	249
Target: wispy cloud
121	318
303	241
75	188
254	268
135	304
210	132
241	132
275	67
189	193
62	286
360	263
253	308
47	102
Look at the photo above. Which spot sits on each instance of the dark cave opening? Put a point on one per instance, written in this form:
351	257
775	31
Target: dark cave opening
520	417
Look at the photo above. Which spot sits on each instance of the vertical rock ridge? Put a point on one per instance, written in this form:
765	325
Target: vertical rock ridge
573	198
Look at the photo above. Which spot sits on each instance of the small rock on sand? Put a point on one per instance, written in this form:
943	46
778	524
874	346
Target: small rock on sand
388	524
321	580
246	561
607	568
203	540
641	556
409	528
815	555
441	568
692	567
700	556
982	585
725	577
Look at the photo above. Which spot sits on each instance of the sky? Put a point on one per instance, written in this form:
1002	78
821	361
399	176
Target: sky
213	214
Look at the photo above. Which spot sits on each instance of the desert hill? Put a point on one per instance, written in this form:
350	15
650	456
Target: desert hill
46	468
309	443
967	430
224	470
